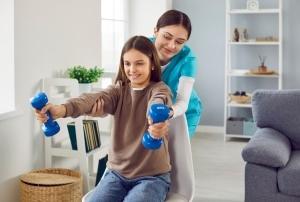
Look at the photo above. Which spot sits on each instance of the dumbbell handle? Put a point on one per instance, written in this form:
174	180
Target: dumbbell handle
158	113
50	120
50	127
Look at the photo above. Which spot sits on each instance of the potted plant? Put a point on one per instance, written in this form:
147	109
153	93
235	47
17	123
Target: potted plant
85	76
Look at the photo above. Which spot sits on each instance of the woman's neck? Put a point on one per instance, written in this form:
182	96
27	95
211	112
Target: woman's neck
163	62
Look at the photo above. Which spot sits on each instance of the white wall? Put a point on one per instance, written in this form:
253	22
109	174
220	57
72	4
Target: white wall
143	15
50	36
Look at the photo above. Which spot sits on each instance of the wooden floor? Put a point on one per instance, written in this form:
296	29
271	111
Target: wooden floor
219	168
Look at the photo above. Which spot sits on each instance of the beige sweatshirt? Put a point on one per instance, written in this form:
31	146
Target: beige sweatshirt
129	107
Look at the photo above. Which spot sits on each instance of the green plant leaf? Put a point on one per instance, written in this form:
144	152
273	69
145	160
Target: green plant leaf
84	74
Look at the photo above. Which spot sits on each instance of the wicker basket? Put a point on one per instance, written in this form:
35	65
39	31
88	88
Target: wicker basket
55	185
240	99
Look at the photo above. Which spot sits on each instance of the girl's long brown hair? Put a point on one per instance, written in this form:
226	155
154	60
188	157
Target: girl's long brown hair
145	46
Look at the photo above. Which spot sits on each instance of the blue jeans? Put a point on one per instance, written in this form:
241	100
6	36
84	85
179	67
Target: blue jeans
113	188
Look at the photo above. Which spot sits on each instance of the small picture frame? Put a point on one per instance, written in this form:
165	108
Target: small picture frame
252	4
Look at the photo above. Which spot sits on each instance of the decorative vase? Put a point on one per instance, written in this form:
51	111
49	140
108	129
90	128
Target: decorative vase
262	69
85	88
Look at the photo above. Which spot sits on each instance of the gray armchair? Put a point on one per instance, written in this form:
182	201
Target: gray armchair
272	172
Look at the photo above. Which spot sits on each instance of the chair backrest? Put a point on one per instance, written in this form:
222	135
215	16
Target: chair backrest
280	110
182	174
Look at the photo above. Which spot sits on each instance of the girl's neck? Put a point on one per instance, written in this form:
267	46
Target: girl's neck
138	87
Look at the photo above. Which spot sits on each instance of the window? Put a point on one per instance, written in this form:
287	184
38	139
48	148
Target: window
114	27
7	83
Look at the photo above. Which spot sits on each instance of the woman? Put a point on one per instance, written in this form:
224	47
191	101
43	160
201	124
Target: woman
179	67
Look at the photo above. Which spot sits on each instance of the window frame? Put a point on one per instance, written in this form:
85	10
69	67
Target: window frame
114	68
8	64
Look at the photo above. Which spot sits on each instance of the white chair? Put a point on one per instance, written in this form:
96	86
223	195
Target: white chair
182	174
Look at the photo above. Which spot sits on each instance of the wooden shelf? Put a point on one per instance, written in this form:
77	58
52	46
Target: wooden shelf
259	11
238	136
246	73
234	104
255	43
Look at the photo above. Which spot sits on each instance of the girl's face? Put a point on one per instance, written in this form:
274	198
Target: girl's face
169	41
137	67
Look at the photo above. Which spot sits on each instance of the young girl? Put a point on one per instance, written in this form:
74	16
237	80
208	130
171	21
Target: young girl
134	173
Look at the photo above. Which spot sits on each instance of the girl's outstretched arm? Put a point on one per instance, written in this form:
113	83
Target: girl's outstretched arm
160	94
85	103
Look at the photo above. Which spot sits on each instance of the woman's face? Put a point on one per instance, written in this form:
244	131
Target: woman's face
169	41
137	67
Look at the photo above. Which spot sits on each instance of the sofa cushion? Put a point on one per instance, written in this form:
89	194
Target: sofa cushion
289	176
280	110
268	147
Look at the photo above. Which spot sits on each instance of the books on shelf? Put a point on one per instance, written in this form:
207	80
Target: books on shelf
101	168
91	135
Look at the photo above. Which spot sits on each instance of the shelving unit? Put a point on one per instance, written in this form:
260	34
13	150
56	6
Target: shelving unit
240	56
58	147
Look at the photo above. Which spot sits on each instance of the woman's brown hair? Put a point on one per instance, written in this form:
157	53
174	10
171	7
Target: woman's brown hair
145	46
175	17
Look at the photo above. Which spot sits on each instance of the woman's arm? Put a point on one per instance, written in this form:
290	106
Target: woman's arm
98	109
184	90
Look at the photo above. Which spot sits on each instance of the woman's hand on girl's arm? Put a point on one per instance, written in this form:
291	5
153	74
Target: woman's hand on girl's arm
56	111
158	130
98	109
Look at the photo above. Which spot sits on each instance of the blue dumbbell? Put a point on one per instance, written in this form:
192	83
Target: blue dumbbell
158	113
50	127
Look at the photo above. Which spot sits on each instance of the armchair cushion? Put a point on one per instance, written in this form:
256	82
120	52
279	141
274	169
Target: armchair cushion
268	147
289	176
278	109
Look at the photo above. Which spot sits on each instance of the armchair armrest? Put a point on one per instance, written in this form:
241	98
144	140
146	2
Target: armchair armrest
268	147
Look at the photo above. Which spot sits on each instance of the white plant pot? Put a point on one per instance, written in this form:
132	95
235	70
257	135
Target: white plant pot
85	88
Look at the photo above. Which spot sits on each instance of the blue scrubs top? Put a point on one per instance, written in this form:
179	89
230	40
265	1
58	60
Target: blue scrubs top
184	64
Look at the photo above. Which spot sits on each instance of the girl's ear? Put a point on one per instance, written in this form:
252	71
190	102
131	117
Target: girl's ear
152	68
